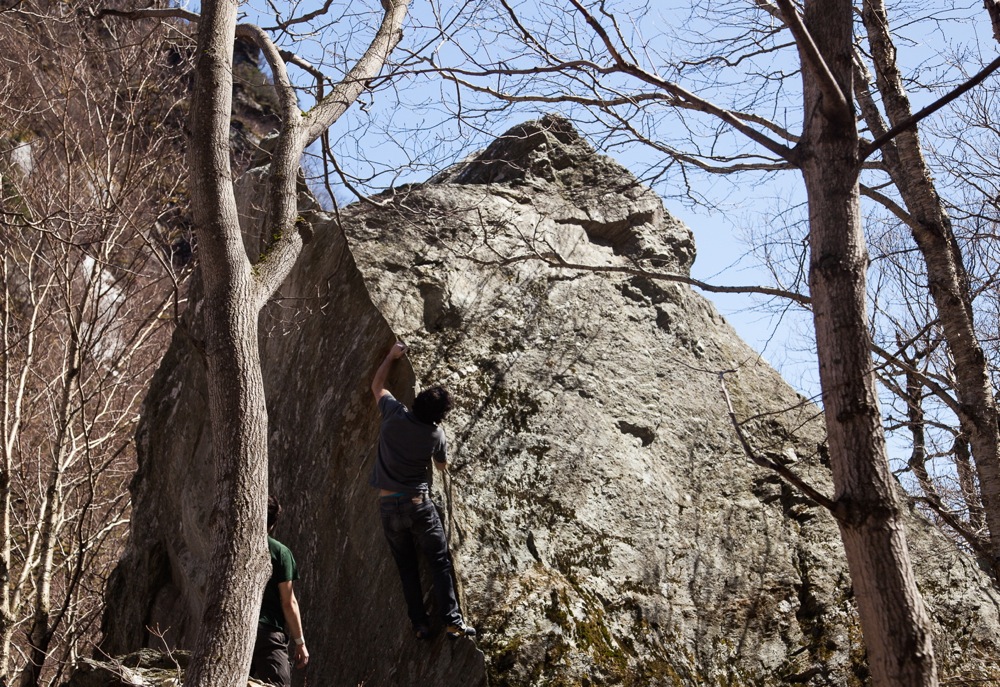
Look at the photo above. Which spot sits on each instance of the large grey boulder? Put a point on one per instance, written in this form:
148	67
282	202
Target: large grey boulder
606	527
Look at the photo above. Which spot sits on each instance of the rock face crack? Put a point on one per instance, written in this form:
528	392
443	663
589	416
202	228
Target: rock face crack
644	434
618	234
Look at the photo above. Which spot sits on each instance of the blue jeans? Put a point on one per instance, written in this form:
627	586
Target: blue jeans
411	526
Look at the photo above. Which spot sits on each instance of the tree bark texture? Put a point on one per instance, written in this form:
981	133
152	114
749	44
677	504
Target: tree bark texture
235	387
235	291
40	634
11	418
947	279
893	618
967	484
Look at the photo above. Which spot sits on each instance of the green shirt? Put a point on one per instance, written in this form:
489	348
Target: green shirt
282	570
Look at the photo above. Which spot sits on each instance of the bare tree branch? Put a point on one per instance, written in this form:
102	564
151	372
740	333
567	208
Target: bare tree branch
939	392
553	259
149	13
327	111
309	68
287	100
297	133
835	104
889	204
692	101
916	117
975	542
305	18
789	476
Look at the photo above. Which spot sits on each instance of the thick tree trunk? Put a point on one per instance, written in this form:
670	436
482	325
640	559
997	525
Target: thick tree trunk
234	293
235	386
946	275
893	619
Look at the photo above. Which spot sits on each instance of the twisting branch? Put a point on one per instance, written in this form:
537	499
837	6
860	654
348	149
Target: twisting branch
939	392
304	65
915	118
287	101
553	259
692	101
285	25
149	13
607	104
835	104
327	111
347	183
298	131
916	422
782	470
975	542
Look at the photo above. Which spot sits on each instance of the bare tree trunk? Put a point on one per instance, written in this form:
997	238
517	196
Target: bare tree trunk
12	395
74	269
40	634
893	618
234	292
223	648
946	275
967	484
916	423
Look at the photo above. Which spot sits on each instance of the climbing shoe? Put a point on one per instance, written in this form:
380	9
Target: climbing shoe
460	629
422	631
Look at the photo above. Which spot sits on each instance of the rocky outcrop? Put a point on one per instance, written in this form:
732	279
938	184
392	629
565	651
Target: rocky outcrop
605	525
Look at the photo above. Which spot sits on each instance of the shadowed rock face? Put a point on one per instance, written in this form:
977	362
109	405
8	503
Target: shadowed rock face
606	527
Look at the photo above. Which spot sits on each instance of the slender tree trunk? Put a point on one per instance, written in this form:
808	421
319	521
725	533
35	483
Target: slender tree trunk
40	634
224	646
11	418
915	423
947	279
893	619
967	484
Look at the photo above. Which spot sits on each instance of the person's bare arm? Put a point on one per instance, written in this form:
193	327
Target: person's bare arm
293	621
382	373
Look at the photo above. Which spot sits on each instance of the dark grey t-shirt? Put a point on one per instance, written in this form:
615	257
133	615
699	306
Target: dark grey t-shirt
405	449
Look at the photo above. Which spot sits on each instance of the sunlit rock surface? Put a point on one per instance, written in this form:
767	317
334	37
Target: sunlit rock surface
606	526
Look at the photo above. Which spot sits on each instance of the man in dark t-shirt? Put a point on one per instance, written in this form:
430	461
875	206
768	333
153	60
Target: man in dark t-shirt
279	614
408	443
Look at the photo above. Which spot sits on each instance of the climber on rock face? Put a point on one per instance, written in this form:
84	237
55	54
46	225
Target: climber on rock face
279	614
408	442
